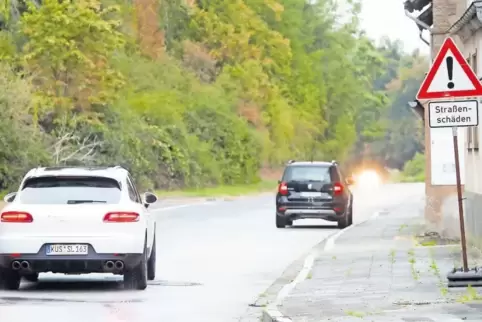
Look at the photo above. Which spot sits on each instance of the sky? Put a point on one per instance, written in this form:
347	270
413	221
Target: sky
387	17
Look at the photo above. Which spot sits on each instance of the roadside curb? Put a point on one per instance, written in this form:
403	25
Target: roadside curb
271	313
274	316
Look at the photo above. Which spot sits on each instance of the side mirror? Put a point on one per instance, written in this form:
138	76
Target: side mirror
350	181
149	198
10	197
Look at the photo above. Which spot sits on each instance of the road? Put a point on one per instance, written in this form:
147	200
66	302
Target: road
214	259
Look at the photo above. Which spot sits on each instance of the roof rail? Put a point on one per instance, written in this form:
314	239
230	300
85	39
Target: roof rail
291	161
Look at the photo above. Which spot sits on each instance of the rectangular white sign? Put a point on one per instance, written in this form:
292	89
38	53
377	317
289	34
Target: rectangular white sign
453	113
443	159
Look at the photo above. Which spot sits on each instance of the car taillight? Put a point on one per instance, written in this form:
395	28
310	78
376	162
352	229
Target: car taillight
283	188
337	189
16	217
121	217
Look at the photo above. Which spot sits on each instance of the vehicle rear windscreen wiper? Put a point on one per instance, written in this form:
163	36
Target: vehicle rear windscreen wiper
70	202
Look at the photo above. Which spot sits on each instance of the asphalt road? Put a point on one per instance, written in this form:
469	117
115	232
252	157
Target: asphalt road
214	259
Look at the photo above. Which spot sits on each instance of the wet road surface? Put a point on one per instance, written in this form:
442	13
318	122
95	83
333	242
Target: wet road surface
214	259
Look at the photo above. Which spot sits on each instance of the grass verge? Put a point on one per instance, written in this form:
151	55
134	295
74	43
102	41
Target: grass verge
222	190
400	177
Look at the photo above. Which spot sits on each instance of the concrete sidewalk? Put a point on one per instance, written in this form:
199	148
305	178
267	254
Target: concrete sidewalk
378	272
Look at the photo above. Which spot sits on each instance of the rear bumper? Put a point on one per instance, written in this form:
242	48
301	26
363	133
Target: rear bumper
301	213
330	211
74	264
113	244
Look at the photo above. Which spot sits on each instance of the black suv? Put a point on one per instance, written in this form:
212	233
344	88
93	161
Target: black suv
314	190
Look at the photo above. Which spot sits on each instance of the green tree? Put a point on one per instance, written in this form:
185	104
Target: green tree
68	50
241	85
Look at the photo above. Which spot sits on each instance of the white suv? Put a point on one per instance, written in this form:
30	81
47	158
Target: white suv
77	220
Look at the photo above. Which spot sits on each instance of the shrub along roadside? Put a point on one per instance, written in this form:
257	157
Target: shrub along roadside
214	102
414	170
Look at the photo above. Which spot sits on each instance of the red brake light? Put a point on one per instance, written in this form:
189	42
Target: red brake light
337	189
16	217
283	188
121	216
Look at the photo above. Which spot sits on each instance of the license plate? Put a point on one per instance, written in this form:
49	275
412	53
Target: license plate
70	249
310	194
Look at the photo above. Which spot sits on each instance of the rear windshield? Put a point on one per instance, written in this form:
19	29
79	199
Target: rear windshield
307	173
70	190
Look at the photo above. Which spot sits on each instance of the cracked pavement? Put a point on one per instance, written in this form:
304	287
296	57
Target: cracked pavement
377	272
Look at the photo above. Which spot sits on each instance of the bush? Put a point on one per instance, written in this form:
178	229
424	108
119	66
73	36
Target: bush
414	169
23	145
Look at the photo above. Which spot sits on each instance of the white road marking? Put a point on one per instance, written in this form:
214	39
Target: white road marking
302	275
160	209
272	314
330	243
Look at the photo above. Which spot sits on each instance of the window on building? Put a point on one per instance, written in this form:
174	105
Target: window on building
474	63
473	132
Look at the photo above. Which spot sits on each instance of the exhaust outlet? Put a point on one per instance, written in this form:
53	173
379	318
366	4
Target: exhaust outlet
109	265
25	265
119	265
16	265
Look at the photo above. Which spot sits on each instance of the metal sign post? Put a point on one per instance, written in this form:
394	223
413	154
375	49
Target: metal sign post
456	114
460	201
451	78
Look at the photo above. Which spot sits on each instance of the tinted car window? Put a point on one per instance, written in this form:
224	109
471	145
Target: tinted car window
305	173
70	190
132	192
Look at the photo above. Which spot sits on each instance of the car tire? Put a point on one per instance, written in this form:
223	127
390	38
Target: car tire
350	217
280	221
289	222
9	279
136	278
347	219
151	264
344	221
33	277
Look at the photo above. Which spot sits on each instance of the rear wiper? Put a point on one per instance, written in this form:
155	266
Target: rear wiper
70	202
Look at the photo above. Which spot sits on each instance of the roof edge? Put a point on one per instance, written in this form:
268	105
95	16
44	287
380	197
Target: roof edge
467	25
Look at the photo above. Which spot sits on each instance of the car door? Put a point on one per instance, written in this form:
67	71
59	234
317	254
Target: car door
135	196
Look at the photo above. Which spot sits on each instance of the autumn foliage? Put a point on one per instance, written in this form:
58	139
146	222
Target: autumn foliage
193	93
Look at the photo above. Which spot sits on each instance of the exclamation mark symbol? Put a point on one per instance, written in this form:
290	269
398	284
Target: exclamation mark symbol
450	68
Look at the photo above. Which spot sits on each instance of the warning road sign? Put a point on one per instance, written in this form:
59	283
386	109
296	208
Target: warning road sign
450	76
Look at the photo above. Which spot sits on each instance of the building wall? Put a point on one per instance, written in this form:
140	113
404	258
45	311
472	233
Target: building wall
441	200
473	158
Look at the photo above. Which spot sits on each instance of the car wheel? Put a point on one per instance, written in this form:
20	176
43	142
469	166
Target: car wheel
344	221
347	219
151	264
350	217
136	278
280	221
33	277
9	279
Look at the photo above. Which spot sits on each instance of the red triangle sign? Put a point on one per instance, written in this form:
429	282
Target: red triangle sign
450	76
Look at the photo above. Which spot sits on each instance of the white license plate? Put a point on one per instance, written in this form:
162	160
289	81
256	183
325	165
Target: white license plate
310	194
70	249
